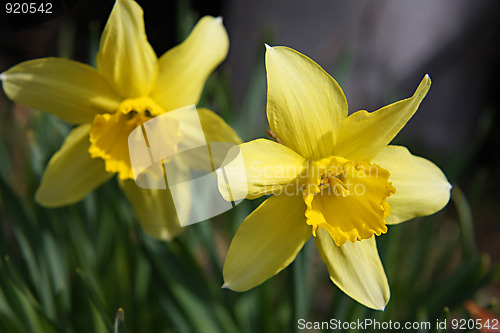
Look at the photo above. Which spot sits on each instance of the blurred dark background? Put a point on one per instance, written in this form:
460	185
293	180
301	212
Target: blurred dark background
377	50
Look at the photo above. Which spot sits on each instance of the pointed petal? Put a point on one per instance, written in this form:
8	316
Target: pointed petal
199	126
363	134
421	187
179	180
209	128
356	269
215	128
270	168
266	242
68	89
125	56
305	105
185	68
155	210
71	173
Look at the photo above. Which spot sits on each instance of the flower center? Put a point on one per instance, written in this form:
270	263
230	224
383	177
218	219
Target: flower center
109	133
142	107
347	198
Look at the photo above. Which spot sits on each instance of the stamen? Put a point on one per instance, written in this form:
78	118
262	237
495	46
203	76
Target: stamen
272	135
131	114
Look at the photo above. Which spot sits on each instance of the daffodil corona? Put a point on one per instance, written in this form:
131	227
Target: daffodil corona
330	175
129	86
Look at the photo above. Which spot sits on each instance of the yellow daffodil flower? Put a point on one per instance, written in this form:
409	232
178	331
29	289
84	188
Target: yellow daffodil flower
129	86
332	176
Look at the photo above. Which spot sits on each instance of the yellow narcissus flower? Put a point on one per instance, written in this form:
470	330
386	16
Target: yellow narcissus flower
332	176
129	86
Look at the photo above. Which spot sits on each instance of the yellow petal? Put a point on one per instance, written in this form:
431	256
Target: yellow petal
68	89
266	242
363	134
421	187
71	173
179	180
215	131
185	68
356	269
125	56
154	209
305	105
215	128
270	167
